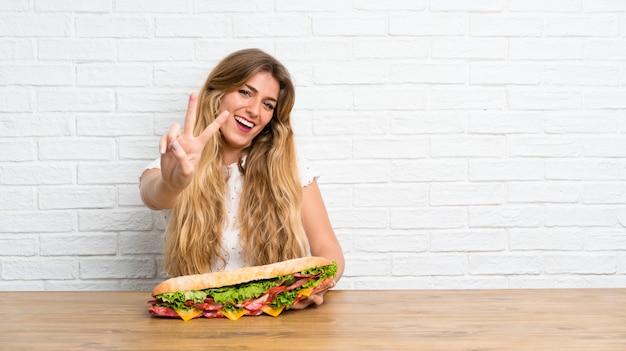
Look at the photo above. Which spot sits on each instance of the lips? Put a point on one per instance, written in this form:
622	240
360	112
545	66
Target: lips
244	123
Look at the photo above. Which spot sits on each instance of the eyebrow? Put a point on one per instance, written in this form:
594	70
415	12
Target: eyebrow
256	91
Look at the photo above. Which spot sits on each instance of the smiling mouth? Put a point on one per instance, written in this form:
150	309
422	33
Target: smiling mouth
244	122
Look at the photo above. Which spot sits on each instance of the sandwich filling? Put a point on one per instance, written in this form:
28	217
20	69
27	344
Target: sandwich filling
270	296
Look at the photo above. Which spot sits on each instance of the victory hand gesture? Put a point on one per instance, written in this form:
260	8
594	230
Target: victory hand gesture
180	153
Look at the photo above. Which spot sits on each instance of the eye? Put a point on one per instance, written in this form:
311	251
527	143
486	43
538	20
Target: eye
245	92
269	106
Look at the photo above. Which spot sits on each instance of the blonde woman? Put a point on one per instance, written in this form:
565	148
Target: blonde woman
230	182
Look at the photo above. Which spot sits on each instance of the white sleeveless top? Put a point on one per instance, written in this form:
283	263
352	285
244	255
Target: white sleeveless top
230	232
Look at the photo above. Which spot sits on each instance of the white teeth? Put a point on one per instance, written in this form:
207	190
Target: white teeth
244	122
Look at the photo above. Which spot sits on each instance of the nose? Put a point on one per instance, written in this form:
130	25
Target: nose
254	108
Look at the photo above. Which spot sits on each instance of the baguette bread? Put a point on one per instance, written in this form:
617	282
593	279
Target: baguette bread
238	276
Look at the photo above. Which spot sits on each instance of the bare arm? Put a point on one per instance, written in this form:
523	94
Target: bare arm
180	154
321	235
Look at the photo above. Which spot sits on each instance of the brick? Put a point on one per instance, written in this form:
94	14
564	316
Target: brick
545	6
128	195
371	265
36	221
429	122
473	98
467	146
505	74
428	170
543	192
34	25
541	99
114	220
142	50
582	122
428	25
18	246
113	75
156	6
35	125
96	26
580	264
359	218
544	146
469	48
17	151
446	194
428	218
390	148
582	75
605	240
468	240
468	6
217	6
116	268
18	198
180	76
15	100
504	216
348	123
107	125
542	239
75	100
78	245
348	73
17	49
401	195
509	264
605	99
328	150
194	27
271	25
353	172
428	73
392	243
39	268
76	197
424	265
546	49
505	122
365	25
526	169
592	26
38	75
399	47
368	98
498	25
49	173
138	149
580	216
603	193
605	146
586	169
77	149
471	282
385	283
109	172
76	49
132	243
313	49
103	6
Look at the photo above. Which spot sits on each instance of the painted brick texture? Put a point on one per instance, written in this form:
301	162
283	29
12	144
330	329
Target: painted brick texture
460	144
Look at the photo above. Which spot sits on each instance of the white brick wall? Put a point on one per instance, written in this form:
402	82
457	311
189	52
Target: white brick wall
461	144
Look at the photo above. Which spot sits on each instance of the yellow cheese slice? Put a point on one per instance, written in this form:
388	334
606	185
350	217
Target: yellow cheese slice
305	292
189	314
271	311
233	315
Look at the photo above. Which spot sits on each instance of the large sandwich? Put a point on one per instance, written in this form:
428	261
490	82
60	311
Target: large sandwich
245	291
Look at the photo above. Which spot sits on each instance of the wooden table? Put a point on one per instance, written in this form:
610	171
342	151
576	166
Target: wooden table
576	319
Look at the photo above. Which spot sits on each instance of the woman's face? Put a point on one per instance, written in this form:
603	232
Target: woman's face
251	108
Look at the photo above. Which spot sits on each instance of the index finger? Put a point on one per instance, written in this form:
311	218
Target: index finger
213	127
190	117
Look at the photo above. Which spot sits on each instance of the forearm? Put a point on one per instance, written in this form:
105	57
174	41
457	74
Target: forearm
154	193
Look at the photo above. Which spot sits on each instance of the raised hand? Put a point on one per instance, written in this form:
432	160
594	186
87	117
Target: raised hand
180	153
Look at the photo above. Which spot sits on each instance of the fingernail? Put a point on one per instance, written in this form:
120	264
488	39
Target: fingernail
175	146
162	150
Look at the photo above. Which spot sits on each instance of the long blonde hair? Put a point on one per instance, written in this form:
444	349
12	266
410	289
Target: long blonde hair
270	227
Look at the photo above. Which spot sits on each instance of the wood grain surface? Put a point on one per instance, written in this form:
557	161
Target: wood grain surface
559	319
